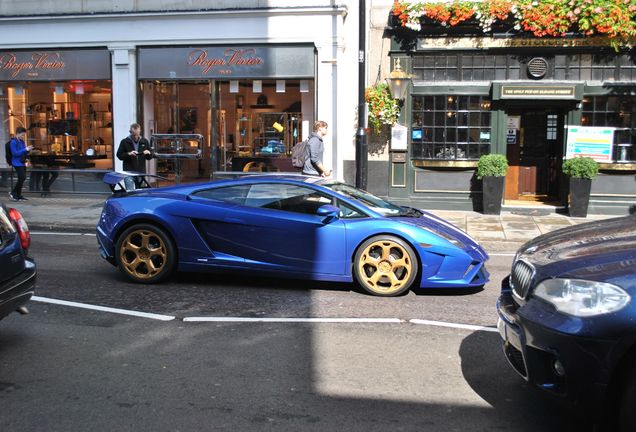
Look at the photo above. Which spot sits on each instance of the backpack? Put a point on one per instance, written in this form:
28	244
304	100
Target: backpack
7	153
298	155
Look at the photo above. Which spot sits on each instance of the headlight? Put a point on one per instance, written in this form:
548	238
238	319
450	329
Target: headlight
582	298
445	236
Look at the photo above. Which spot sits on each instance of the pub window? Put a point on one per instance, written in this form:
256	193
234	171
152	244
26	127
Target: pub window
450	127
618	112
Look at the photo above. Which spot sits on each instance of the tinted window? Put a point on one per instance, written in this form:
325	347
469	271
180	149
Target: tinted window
230	194
293	198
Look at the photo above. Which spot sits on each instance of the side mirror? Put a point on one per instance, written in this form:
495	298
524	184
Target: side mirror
328	211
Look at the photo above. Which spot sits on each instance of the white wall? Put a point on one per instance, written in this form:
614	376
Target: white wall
332	29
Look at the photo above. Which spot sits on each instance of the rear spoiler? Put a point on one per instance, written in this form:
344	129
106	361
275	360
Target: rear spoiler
121	182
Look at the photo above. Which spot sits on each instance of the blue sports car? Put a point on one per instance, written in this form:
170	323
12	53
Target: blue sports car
283	225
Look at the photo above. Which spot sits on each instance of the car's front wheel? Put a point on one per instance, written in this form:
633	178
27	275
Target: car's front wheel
145	254
385	266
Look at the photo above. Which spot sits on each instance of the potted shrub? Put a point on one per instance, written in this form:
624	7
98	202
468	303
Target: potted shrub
492	169
581	170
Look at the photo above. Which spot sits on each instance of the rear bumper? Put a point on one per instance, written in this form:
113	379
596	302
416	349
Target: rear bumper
18	291
105	246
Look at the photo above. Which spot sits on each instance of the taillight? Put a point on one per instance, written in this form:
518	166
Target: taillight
22	228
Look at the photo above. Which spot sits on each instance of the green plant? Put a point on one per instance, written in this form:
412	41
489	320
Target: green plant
581	167
492	165
383	109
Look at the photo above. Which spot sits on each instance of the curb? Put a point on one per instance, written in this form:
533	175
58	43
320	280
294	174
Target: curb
84	229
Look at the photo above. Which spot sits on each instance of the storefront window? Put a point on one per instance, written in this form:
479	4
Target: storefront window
450	127
68	123
618	112
247	125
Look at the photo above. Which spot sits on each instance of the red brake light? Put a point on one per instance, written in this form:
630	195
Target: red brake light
22	228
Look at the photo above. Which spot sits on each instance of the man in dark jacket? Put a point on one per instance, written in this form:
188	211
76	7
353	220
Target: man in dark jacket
134	150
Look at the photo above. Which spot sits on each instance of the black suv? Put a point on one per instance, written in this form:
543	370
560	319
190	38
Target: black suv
17	270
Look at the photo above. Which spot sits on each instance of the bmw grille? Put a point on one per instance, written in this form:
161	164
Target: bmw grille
521	278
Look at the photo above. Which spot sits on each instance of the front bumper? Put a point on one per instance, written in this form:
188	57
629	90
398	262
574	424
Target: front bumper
18	290
569	366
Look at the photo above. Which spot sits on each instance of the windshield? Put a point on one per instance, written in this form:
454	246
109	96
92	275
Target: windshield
371	201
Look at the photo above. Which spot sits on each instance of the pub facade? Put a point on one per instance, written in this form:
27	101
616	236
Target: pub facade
515	94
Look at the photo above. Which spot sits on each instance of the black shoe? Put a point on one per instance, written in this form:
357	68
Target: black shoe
13	197
21	198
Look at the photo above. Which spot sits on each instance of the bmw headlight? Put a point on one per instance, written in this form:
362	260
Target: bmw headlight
582	298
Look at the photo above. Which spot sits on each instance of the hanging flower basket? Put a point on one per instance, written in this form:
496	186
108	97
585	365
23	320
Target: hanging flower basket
615	19
383	108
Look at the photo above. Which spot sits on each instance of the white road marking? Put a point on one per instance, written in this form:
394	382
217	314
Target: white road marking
104	309
286	320
61	233
263	319
503	254
453	325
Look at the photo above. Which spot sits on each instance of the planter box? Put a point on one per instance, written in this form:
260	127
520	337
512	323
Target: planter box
579	196
492	194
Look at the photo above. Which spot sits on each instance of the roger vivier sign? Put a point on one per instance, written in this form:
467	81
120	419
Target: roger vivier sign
231	57
54	65
276	61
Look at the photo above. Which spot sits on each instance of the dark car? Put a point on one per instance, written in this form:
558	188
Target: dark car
567	316
17	270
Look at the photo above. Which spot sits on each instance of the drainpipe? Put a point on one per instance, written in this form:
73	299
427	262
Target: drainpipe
362	152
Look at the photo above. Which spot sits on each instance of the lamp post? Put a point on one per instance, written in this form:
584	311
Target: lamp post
398	81
362	149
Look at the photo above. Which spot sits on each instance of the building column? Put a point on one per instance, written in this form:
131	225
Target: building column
124	95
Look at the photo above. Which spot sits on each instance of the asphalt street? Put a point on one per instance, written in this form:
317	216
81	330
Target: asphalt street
68	367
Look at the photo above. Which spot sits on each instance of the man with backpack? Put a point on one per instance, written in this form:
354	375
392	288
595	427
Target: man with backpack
314	152
19	150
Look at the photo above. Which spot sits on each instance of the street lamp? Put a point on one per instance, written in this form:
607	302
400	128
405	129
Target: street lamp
398	81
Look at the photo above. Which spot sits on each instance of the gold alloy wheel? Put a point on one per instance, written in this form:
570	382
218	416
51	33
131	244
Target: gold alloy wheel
385	267
143	254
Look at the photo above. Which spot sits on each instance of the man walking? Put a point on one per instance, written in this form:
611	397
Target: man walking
315	151
134	150
19	151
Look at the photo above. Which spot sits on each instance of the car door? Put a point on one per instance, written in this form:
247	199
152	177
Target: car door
277	228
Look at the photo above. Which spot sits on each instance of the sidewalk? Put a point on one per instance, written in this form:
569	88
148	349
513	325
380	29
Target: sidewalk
505	232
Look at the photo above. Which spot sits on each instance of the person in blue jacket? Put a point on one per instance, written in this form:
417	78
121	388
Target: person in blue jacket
19	151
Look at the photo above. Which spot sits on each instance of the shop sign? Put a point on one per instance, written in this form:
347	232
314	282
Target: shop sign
590	141
446	42
227	61
537	92
54	65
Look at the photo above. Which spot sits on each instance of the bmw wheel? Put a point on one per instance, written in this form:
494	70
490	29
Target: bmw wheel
145	254
385	266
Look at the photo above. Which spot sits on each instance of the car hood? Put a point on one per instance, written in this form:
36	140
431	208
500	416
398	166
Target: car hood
445	229
615	237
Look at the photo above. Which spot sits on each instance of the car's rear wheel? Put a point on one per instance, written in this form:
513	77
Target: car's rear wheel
385	266
145	254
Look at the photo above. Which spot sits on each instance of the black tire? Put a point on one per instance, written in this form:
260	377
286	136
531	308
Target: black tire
385	266
627	403
145	254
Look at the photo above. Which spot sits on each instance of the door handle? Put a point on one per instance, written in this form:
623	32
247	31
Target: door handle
234	220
